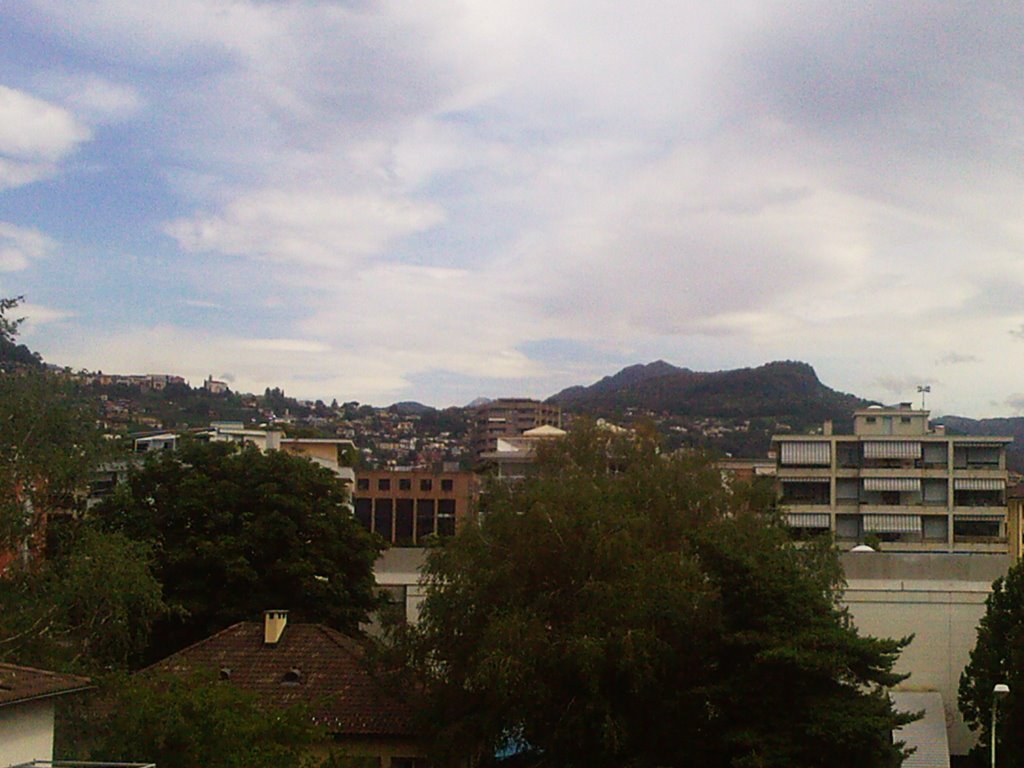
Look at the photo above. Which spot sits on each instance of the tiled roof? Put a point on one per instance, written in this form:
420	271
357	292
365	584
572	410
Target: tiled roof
18	684
332	677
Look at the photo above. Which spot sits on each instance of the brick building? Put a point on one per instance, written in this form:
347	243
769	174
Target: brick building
406	506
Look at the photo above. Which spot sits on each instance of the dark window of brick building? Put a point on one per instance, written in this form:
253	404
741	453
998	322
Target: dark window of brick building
405	484
382	519
446	517
447	485
363	484
364	512
426	485
424	519
384	484
403	521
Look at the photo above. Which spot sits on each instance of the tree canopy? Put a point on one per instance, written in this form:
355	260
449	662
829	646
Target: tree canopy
998	657
187	721
48	442
626	608
235	532
87	609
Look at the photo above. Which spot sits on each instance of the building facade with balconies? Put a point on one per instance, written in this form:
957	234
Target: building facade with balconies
897	482
510	417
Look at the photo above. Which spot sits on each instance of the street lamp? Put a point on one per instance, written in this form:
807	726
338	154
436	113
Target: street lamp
999	691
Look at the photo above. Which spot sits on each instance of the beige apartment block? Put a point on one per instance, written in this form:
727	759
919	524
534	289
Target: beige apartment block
510	417
898	483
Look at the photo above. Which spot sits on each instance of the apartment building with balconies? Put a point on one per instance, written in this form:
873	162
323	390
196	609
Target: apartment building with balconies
510	417
897	482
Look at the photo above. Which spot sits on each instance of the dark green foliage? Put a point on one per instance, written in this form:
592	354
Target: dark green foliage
238	532
625	609
186	722
48	442
88	609
998	657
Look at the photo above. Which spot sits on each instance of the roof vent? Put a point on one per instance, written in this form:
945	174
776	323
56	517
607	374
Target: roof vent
225	673
274	623
292	677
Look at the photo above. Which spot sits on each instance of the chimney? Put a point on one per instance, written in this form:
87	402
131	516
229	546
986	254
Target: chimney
826	428
273	626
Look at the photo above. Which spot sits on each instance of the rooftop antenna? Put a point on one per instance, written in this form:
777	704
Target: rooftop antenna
923	389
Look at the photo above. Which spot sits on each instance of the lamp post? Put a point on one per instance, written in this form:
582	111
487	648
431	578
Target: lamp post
999	691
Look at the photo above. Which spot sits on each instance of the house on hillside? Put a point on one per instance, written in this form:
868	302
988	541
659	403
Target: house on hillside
316	666
27	700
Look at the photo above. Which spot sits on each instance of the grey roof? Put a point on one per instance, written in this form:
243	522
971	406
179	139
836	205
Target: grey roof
927	735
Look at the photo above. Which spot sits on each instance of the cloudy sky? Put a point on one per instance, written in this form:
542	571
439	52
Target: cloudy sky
437	200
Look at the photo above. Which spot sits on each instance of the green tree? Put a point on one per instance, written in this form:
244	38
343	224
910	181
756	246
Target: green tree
998	657
623	608
186	722
89	609
48	443
235	532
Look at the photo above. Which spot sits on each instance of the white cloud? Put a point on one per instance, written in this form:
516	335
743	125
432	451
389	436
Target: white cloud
434	187
34	136
20	246
93	99
302	373
36	315
303	227
33	129
285	345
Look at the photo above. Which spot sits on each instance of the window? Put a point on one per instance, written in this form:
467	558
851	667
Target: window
424	519
364	513
403	521
426	485
405	484
363	484
384	484
904	419
382	522
935	527
871	419
446	517
447	485
967	530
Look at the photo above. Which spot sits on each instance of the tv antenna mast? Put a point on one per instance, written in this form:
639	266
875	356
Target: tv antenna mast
923	389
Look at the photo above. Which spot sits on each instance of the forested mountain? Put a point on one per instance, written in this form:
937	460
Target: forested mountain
787	391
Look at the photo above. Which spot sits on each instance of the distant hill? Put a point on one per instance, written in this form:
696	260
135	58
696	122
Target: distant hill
13	355
629	376
788	392
410	407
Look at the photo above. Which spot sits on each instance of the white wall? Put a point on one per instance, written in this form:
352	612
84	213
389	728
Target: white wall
938	598
26	732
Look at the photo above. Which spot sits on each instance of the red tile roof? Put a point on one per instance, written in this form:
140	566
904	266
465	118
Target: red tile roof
18	684
333	678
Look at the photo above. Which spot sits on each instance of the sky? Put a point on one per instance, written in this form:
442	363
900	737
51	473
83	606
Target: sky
435	201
